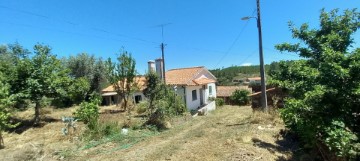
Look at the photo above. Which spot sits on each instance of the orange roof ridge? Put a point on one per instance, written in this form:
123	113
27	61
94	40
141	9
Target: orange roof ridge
194	76
186	68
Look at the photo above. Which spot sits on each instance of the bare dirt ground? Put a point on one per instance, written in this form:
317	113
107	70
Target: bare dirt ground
229	133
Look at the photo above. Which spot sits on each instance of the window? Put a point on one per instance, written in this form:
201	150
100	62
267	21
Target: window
210	90
194	96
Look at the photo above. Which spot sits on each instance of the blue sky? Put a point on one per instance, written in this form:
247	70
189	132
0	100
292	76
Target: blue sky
198	33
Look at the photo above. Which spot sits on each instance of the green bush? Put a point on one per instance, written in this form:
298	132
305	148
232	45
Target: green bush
101	130
324	86
141	107
219	102
240	97
89	113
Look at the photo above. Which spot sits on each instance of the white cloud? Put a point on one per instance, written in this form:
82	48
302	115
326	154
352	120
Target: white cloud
246	64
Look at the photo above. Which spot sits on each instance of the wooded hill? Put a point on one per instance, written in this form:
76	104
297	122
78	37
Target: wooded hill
225	76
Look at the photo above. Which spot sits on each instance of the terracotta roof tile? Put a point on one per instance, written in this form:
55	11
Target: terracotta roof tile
141	80
226	91
180	76
202	81
254	78
186	76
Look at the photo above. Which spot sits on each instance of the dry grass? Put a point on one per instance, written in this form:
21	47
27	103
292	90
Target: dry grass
229	133
225	134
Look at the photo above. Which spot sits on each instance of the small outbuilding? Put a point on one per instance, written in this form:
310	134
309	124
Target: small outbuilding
224	92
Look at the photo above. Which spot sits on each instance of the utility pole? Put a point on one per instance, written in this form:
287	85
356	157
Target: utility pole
162	46
262	67
163	59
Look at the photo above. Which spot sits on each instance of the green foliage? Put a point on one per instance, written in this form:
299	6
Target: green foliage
89	113
218	101
101	130
79	89
142	107
163	101
240	97
48	77
122	76
87	67
324	88
340	139
5	101
14	72
153	89
225	76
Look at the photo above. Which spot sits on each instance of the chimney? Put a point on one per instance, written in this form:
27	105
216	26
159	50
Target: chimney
159	67
151	66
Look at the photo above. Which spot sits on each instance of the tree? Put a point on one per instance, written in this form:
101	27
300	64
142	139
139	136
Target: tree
87	66
152	89
240	97
13	72
122	76
5	101
324	87
47	77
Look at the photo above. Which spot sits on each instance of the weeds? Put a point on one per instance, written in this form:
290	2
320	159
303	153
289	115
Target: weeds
123	141
260	117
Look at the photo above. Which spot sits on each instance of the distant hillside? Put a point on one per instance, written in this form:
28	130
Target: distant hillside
226	76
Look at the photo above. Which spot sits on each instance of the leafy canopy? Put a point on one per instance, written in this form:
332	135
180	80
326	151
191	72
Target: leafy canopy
324	87
122	76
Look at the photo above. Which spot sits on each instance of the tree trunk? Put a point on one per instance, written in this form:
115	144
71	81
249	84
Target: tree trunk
1	140
125	103
37	113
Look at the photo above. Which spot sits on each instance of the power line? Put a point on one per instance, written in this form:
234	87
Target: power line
246	58
234	42
63	31
77	24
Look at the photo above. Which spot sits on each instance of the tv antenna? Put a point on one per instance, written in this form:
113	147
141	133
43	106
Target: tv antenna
162	46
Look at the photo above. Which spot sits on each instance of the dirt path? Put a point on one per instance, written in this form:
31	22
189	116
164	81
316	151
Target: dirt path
229	133
226	134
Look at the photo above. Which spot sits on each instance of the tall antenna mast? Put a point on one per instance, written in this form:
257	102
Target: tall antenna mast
162	46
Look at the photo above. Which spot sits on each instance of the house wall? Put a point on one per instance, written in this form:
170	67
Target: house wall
190	104
207	94
180	91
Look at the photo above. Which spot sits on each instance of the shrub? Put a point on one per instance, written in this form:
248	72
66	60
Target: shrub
141	107
324	91
240	97
101	130
89	113
219	102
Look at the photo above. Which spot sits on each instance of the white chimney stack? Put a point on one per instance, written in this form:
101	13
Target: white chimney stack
151	66
159	67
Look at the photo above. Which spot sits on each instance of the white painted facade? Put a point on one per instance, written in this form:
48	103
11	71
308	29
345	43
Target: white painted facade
187	93
207	94
190	103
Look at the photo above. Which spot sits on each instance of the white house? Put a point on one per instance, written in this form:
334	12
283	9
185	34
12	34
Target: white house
111	97
195	84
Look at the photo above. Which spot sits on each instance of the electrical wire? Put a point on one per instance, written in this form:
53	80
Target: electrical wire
77	24
234	42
